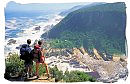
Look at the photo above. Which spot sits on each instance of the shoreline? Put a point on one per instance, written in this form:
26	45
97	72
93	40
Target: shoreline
30	33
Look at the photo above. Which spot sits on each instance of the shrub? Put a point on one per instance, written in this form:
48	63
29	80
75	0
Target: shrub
58	75
77	76
14	66
72	76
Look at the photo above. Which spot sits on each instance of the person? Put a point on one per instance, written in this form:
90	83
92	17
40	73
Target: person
39	58
25	55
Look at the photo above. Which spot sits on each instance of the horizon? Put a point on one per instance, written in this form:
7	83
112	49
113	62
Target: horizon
14	6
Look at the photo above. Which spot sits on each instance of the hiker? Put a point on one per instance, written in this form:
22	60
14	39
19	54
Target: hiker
39	58
25	55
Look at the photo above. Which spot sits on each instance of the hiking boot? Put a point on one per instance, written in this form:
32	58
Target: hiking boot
27	75
37	77
30	75
48	76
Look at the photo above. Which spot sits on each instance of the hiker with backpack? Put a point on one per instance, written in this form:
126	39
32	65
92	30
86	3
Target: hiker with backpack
25	55
39	58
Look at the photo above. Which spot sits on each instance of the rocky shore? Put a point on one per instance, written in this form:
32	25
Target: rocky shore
34	33
79	59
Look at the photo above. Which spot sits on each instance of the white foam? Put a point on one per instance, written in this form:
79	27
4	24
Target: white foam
31	33
11	24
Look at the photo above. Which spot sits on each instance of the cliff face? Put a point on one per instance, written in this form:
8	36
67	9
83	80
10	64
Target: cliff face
95	18
101	26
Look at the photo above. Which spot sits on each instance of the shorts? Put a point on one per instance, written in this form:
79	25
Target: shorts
28	63
37	61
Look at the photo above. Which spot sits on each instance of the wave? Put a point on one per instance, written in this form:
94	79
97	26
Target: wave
33	33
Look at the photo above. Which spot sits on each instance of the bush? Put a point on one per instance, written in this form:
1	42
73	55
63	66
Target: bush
72	76
14	66
58	75
77	76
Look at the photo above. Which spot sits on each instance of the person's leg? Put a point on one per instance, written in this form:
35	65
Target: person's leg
37	69
30	71
26	68
30	67
47	70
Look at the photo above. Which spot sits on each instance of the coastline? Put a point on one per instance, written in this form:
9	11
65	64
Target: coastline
34	33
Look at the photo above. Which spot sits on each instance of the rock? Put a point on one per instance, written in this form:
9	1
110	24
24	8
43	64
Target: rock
52	80
123	58
123	73
94	74
104	71
11	41
18	47
48	26
97	54
83	51
37	28
109	71
116	58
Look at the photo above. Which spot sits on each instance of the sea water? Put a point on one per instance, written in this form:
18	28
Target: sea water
20	26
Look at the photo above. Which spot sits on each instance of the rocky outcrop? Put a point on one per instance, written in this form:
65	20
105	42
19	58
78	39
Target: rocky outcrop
11	41
79	59
97	54
37	28
83	51
109	71
59	52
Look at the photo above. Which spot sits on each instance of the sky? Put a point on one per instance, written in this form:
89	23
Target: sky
13	6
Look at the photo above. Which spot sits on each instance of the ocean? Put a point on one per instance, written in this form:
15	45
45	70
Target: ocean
20	26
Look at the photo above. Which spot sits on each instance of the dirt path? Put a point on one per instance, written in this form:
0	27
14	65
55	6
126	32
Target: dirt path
41	79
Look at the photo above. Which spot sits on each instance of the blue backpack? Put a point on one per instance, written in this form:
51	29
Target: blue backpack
25	52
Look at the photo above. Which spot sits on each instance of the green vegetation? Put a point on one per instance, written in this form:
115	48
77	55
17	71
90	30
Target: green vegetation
89	40
101	27
58	75
14	66
77	76
119	6
72	76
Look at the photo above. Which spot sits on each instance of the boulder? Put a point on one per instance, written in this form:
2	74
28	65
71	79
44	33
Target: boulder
109	71
18	47
97	54
116	58
11	41
37	28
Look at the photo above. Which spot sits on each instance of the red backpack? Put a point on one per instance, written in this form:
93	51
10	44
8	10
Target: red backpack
37	53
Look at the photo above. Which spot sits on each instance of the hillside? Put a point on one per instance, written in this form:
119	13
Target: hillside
101	26
64	13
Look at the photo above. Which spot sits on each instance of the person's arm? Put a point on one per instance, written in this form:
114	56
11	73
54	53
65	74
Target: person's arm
43	52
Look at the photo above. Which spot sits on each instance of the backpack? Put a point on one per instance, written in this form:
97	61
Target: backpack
36	52
25	52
